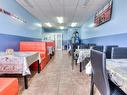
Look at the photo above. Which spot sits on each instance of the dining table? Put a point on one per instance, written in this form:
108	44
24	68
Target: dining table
82	55
117	71
19	63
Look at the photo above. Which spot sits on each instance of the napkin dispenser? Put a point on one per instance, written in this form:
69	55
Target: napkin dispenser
9	51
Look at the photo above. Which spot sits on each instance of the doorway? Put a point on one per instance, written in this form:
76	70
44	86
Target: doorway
58	41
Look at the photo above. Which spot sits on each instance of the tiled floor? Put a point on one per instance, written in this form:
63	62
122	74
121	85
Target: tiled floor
58	78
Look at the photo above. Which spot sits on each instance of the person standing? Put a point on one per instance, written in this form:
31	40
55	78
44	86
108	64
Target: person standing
75	41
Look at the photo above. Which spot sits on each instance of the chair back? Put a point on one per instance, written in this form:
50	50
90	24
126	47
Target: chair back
99	48
100	78
91	45
108	51
119	53
83	46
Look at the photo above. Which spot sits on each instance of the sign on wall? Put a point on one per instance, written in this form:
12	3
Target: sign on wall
104	14
12	15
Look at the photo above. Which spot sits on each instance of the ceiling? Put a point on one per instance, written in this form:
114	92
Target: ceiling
72	10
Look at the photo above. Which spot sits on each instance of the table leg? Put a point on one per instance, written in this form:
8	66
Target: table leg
72	59
38	67
50	56
80	66
72	63
26	82
92	86
76	62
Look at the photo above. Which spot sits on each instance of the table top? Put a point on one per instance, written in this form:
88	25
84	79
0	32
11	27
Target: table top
18	63
18	54
117	69
82	54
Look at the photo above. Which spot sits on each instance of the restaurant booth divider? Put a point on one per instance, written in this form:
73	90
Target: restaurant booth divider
40	47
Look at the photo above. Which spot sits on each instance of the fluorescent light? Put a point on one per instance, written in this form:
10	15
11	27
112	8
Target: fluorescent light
73	24
48	24
61	27
92	25
38	24
60	20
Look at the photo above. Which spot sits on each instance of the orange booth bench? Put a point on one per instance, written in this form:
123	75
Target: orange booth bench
40	47
9	86
51	44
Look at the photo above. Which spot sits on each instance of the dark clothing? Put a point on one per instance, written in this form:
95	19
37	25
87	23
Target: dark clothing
74	47
75	40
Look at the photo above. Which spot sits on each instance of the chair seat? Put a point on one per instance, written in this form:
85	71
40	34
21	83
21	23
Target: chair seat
8	86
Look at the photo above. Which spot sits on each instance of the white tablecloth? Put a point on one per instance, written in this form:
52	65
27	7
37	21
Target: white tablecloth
18	63
117	69
82	54
50	49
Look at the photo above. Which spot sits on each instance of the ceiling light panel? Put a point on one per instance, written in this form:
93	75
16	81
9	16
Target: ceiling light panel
60	20
48	24
74	24
61	27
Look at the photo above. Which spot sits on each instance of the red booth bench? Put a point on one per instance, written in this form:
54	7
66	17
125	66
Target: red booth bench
51	44
8	86
40	47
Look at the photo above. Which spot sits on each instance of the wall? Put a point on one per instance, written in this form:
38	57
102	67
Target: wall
67	34
112	32
48	36
12	31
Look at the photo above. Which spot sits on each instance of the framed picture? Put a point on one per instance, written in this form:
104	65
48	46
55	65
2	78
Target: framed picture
104	14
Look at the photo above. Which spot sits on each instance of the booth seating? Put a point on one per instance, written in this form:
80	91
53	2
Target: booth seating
51	44
8	86
40	47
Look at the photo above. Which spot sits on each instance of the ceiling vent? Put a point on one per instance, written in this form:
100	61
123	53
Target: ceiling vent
29	3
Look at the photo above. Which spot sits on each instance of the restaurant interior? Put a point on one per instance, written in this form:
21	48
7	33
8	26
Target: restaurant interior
63	47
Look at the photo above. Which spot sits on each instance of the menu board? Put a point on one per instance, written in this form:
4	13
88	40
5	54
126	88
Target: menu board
103	15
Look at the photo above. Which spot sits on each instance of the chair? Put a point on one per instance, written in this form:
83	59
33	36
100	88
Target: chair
91	45
99	48
100	77
83	46
119	53
109	50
